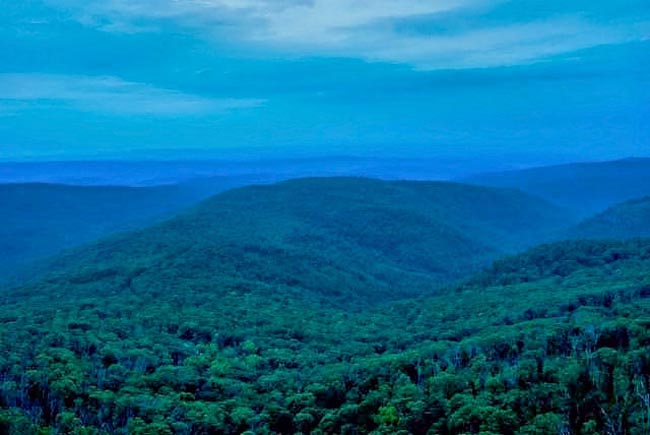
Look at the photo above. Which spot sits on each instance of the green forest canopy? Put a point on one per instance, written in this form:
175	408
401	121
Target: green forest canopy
525	349
275	310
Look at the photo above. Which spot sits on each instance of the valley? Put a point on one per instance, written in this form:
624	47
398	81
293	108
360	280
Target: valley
326	305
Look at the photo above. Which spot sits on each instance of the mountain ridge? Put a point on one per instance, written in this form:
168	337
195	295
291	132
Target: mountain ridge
624	220
585	188
384	237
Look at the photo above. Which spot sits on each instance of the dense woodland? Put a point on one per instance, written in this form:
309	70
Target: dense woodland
622	221
351	239
41	219
282	310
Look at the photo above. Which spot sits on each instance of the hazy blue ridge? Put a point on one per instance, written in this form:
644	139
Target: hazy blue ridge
621	221
584	188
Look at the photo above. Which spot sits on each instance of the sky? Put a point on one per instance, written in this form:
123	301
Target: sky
553	79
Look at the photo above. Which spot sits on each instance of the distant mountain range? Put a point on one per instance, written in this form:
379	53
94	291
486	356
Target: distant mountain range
621	221
584	188
326	305
150	173
346	239
43	219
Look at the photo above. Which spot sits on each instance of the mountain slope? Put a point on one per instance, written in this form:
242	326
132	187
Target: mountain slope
553	339
344	239
42	219
39	220
621	221
552	349
585	188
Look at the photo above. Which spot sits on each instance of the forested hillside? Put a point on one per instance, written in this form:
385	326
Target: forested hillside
324	217
39	220
584	188
622	221
334	306
346	239
528	347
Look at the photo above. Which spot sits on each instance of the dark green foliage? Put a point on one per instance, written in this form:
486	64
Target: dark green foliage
556	352
345	239
584	188
558	260
220	322
622	221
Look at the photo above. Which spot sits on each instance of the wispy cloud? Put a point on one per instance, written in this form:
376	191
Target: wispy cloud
503	46
107	94
368	29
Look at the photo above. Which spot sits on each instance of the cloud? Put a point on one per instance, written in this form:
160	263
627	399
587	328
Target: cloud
372	29
107	94
513	44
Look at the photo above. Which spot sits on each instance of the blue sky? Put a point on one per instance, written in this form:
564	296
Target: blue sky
249	78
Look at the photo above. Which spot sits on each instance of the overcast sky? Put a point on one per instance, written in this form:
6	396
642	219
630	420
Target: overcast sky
239	78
